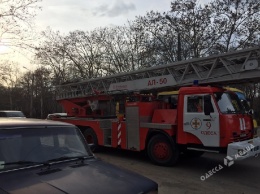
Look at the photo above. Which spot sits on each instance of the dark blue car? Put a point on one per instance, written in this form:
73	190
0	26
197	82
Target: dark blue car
41	156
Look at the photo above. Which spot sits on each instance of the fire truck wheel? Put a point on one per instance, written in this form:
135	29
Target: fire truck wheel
91	138
162	152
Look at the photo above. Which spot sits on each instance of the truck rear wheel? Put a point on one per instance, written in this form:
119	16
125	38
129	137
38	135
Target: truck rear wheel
91	139
162	151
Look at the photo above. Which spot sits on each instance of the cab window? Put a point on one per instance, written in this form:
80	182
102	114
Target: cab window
199	103
195	104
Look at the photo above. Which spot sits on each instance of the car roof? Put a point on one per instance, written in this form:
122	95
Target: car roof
10	111
59	113
25	122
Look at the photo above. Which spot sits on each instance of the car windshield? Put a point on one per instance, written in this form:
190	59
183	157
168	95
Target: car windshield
228	103
23	146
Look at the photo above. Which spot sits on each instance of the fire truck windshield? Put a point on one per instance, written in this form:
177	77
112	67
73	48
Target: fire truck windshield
243	101
228	103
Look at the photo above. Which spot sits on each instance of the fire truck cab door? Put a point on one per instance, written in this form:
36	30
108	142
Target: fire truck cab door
204	127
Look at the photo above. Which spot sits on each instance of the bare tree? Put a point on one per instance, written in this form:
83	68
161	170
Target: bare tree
52	53
189	30
16	20
237	22
84	51
192	22
71	57
43	93
161	38
9	73
121	47
37	95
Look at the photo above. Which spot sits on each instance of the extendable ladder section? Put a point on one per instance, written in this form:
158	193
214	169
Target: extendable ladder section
232	67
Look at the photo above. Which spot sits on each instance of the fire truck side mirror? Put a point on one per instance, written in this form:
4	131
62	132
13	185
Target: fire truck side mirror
251	112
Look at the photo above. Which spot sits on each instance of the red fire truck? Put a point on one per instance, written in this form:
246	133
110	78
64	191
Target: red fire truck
122	111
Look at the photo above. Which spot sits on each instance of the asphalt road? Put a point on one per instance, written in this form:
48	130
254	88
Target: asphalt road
243	177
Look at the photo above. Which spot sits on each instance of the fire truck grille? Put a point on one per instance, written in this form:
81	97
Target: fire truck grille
240	137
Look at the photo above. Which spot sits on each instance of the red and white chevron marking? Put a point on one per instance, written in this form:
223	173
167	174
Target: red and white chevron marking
119	133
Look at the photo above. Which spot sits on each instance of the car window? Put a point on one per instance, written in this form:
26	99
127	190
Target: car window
2	114
14	114
11	114
40	144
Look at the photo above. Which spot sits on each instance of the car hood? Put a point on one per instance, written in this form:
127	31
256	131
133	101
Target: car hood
94	177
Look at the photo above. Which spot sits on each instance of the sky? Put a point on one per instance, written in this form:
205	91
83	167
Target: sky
69	15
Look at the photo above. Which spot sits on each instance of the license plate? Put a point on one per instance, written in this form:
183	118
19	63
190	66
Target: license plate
242	135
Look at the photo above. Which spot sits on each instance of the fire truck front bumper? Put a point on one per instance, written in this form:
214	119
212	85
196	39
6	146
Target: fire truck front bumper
244	149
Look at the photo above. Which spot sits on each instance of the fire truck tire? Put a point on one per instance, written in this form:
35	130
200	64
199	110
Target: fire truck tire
162	151
91	138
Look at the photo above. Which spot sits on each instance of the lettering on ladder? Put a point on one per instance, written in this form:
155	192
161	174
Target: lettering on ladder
119	133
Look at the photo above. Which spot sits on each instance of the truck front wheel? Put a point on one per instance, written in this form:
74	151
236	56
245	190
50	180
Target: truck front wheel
91	139
162	151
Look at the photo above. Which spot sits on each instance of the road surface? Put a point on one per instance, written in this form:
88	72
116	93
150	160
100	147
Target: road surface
191	175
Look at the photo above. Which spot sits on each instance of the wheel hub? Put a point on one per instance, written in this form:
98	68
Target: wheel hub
161	150
89	139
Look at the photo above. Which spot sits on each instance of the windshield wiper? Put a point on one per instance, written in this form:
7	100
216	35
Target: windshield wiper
47	163
63	158
22	162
